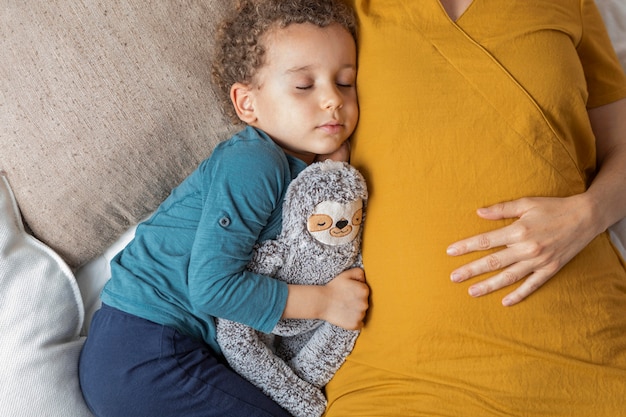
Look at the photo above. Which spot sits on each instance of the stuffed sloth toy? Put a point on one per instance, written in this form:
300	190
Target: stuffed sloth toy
323	214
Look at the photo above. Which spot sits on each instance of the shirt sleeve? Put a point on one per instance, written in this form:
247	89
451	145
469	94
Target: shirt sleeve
605	77
242	191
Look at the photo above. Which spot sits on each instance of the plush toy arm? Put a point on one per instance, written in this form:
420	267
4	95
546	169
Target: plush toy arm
252	359
268	258
318	360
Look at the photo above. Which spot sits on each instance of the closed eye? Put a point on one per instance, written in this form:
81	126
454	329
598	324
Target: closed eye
319	222
304	87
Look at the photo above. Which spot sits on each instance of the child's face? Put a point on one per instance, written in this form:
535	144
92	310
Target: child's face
304	97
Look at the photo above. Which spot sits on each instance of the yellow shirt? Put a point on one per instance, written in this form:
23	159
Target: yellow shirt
457	116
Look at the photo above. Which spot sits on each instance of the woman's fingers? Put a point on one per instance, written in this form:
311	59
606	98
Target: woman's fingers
489	263
509	277
547	233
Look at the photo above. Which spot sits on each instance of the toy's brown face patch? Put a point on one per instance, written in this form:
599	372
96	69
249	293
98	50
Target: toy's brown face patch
333	223
319	222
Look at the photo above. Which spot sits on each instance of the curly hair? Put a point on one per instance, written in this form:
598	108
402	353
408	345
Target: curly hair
239	49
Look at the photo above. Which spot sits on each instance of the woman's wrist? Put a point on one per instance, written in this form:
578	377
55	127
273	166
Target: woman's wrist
592	215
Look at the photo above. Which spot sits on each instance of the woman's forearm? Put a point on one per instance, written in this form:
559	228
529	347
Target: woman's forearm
607	192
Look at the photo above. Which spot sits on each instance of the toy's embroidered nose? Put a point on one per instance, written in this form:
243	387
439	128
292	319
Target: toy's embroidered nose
341	224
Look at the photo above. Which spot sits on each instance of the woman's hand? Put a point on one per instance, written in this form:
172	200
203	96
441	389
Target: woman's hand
549	232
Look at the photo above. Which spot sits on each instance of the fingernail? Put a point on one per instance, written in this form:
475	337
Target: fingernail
474	291
452	251
456	277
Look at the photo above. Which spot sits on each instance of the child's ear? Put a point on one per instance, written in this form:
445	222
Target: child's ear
241	96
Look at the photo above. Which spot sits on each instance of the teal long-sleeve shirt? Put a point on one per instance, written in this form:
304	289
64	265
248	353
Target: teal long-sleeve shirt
186	264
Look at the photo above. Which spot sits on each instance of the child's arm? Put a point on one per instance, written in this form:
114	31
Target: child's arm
342	302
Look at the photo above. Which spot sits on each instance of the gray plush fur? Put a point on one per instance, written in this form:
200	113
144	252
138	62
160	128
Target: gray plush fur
293	363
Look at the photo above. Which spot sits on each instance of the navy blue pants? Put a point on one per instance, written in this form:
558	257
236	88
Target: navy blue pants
133	367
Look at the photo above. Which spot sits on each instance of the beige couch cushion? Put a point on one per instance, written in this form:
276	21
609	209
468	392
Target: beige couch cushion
104	107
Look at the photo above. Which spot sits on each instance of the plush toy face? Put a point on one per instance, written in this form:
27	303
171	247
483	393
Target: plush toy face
325	205
333	223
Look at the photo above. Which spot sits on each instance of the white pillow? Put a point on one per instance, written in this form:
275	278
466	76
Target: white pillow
41	314
614	15
92	276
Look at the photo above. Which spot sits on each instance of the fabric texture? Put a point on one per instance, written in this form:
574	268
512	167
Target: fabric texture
187	262
165	374
472	113
41	315
106	106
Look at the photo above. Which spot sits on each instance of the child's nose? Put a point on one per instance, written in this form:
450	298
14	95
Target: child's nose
332	99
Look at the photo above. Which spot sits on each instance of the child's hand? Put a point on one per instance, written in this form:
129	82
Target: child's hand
342	302
347	299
